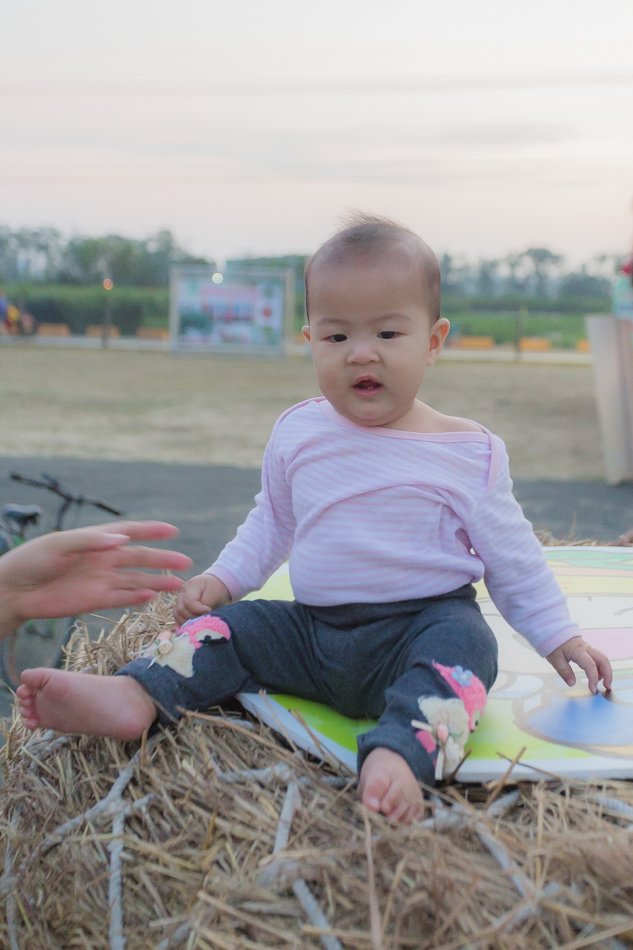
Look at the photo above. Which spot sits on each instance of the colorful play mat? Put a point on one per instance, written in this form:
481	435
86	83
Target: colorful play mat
532	718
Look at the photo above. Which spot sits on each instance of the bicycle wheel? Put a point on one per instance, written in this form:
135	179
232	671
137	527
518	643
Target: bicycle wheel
35	643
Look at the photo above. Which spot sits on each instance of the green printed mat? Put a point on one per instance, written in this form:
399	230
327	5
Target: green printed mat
531	713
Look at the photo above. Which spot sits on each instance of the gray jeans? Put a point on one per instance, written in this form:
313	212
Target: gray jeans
364	660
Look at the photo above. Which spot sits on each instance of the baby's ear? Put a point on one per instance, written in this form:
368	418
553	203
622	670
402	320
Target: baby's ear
442	327
439	332
306	332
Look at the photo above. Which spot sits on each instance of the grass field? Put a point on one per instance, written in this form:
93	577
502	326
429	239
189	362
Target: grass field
121	404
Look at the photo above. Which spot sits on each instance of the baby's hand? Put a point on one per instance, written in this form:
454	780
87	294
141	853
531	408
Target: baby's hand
592	661
200	595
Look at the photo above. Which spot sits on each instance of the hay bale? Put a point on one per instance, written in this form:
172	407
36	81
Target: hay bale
217	833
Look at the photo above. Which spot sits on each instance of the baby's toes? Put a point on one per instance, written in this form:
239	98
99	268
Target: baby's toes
374	791
394	804
29	716
413	812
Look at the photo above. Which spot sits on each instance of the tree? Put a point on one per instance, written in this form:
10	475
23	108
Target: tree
487	277
582	284
30	254
128	262
542	260
513	264
447	272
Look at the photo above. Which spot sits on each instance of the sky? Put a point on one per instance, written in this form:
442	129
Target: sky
254	126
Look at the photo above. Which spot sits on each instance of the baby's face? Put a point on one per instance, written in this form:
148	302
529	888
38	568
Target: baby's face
372	336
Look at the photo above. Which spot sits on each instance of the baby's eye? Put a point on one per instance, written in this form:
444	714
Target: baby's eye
388	334
336	338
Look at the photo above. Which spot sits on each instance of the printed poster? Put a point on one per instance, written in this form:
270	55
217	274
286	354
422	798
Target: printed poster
235	313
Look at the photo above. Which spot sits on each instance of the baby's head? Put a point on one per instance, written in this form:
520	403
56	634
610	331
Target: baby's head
384	245
374	326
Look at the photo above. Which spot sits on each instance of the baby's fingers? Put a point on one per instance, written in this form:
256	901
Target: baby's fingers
605	670
596	665
562	667
586	662
189	605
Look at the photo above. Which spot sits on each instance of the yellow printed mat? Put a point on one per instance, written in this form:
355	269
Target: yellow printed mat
531	714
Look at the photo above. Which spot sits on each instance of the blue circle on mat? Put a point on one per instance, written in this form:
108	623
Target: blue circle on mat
602	720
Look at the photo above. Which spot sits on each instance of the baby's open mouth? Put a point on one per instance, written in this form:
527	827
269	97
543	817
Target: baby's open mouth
367	385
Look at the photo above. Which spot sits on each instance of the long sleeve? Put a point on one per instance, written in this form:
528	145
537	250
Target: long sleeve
368	514
263	541
516	574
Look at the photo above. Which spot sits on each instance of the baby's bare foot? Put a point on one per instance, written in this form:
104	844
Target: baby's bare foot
84	704
387	785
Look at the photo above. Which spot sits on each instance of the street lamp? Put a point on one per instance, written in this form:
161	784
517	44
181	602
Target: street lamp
107	285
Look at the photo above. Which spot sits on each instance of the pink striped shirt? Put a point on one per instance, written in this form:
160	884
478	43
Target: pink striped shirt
369	514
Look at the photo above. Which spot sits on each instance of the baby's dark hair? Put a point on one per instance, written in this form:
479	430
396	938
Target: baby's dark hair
371	234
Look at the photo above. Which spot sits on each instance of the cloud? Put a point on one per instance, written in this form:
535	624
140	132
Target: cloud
509	134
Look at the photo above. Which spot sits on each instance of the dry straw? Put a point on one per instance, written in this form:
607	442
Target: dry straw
219	834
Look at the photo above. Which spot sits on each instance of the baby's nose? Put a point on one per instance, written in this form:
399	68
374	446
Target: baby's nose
362	352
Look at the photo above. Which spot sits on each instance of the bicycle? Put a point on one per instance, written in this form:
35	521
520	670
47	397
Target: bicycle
38	642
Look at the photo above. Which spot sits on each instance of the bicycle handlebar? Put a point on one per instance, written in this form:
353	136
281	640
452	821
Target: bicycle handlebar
52	484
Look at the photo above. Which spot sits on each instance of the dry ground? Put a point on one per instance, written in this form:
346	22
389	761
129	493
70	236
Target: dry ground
151	405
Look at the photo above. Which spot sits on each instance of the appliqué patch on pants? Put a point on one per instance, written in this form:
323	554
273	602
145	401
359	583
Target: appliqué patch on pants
449	721
177	649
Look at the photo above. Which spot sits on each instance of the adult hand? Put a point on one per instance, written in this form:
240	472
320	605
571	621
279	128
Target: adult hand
86	569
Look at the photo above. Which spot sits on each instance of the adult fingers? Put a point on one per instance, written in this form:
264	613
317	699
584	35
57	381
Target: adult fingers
80	541
157	558
139	580
107	536
141	530
128	598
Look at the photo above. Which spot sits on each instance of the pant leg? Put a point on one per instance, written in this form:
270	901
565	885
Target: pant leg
439	681
243	646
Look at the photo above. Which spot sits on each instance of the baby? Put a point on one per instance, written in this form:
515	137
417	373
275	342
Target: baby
388	511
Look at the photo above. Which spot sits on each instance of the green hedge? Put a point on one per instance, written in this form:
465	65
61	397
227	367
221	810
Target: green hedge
132	308
80	307
563	329
565	303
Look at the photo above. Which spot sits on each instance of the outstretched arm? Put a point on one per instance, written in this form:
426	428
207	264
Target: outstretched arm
85	569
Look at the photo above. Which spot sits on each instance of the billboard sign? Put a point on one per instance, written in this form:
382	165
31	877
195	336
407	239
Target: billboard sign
245	311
